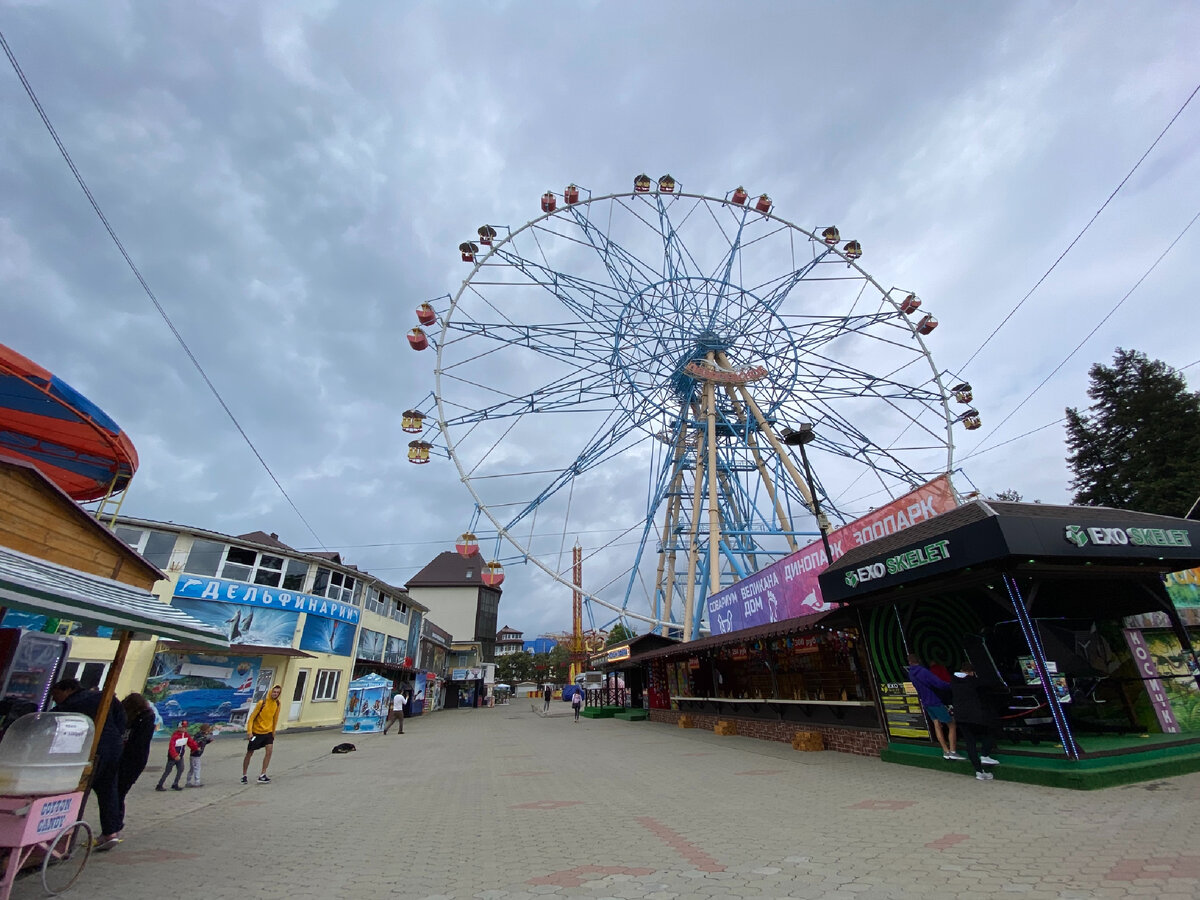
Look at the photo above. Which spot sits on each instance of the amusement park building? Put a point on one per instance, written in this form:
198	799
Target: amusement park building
305	621
509	640
451	587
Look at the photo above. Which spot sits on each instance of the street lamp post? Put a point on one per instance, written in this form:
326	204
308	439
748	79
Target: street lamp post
798	437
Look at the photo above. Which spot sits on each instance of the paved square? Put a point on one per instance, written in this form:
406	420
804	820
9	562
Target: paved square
614	809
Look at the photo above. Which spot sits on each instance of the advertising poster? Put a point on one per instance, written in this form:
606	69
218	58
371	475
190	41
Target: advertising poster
417	702
905	718
1170	681
1184	588
789	587
321	635
370	644
243	624
368	700
200	687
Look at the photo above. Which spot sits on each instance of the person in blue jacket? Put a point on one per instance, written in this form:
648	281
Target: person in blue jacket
934	694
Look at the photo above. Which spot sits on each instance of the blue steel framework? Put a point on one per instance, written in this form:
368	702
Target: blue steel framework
676	335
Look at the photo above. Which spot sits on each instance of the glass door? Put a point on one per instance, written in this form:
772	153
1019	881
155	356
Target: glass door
298	695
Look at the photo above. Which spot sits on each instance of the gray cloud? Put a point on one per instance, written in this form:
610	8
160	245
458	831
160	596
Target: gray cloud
293	180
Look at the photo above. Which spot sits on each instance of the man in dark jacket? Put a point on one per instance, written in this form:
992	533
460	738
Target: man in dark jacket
934	694
69	696
976	719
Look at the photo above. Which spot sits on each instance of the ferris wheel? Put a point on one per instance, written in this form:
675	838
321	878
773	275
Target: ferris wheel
627	369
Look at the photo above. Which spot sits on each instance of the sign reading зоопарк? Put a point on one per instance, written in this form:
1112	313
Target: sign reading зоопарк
789	588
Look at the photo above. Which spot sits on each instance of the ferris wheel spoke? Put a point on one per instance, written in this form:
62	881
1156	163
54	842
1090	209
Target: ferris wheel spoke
565	394
563	342
628	272
608	442
590	300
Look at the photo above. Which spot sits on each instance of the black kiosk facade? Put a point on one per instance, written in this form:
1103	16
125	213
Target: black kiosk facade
1038	598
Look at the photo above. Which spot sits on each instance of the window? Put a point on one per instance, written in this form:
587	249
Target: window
239	563
88	674
326	685
294	575
245	565
336	586
204	558
154	546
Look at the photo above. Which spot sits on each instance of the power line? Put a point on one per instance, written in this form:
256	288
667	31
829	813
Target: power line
1088	337
1013	311
1034	431
142	281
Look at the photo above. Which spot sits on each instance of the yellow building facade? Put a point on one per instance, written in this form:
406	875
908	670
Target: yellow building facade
299	620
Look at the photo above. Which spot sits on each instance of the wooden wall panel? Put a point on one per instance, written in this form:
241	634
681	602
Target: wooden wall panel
36	519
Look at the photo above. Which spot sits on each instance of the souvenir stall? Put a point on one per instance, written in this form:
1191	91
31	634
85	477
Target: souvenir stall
807	673
1046	603
368	700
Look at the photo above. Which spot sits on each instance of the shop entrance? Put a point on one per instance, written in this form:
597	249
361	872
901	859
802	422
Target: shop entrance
298	695
1063	614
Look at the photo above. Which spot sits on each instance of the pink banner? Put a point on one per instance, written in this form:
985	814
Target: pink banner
1148	669
789	587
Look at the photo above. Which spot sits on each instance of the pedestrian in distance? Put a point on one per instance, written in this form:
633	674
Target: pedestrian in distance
396	713
203	738
139	715
577	702
934	694
547	696
70	696
178	744
977	720
260	728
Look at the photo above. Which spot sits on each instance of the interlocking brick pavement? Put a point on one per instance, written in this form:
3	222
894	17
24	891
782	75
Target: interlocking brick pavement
614	809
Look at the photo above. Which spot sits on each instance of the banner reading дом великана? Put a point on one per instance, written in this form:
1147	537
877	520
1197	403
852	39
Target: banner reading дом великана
789	587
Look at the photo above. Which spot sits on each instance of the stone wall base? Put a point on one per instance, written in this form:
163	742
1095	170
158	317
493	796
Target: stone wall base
862	742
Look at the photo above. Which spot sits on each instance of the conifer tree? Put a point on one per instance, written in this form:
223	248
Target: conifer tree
1138	445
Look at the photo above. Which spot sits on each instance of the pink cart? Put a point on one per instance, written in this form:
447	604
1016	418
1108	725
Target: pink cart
48	825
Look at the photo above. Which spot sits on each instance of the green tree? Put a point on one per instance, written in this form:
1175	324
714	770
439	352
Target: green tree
1138	445
514	667
1009	495
619	634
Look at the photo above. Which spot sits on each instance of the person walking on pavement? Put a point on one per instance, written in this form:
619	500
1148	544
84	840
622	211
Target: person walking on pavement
69	696
976	717
577	702
397	713
547	696
934	694
261	725
177	746
139	716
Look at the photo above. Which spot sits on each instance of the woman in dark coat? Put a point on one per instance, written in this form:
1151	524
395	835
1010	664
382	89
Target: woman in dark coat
140	716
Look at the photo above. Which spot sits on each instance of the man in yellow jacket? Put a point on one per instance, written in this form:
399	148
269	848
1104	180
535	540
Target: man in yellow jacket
260	726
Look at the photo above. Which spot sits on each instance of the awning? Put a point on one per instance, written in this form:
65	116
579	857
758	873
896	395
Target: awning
234	650
758	632
387	666
1031	537
35	585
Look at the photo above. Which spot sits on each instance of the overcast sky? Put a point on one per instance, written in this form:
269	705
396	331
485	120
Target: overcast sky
293	178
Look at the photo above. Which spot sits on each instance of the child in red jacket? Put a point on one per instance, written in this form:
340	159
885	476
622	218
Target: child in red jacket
179	742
